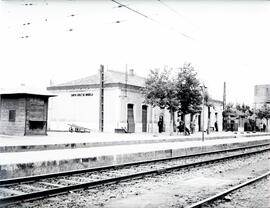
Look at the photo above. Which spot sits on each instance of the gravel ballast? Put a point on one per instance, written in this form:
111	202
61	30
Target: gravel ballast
175	189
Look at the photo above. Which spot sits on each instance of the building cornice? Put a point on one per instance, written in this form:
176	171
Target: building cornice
93	86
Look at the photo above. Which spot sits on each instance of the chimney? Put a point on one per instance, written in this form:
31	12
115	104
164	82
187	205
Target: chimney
131	72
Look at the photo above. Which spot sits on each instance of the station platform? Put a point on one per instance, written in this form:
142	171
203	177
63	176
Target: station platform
67	140
17	164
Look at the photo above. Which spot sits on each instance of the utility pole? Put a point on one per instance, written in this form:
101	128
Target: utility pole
224	104
126	80
254	128
203	92
101	99
224	96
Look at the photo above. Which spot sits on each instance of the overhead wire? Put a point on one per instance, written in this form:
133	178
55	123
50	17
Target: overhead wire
176	12
121	5
150	18
133	10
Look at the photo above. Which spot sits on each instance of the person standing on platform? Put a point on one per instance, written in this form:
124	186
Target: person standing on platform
160	124
192	127
178	126
216	126
264	127
261	127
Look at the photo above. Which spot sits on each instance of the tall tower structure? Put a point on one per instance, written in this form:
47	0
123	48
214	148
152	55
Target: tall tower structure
261	95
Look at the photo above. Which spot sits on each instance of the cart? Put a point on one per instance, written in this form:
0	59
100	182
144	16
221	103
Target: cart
77	128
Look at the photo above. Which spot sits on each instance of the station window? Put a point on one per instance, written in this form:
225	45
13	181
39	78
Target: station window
11	115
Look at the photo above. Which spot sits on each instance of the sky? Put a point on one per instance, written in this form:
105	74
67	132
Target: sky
225	41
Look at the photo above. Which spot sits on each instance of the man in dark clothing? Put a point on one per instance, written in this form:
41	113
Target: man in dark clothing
264	127
183	128
160	125
216	126
180	126
192	127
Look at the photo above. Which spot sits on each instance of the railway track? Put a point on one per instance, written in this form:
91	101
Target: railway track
222	194
35	187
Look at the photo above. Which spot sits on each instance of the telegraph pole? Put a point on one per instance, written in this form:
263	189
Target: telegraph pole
203	116
224	96
101	99
224	104
126	80
203	91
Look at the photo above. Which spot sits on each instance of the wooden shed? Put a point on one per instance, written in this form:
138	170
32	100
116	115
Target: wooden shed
24	112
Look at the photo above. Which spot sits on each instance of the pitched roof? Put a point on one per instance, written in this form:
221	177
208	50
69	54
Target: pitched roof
110	77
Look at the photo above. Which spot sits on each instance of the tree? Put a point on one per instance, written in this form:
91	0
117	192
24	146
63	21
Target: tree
263	112
179	94
240	111
243	110
188	90
160	91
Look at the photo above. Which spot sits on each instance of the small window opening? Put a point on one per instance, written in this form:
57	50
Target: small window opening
11	115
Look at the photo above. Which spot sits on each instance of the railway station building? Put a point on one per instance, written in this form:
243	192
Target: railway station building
78	102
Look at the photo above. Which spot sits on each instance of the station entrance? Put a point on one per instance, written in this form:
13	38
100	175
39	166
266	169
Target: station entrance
144	118
130	118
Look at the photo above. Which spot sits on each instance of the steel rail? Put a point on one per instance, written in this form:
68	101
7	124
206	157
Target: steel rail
5	182
56	191
226	192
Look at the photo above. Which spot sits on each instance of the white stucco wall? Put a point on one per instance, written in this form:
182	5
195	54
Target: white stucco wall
216	109
84	110
111	109
135	98
66	109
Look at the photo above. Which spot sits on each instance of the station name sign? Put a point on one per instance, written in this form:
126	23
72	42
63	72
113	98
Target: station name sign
81	94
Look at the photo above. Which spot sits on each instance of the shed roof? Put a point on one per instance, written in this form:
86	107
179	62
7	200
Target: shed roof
110	77
26	90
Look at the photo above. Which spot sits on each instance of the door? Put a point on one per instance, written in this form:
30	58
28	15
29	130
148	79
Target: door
199	122
144	118
130	119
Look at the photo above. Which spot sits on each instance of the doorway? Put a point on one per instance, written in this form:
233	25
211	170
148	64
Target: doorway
199	122
130	119
144	118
